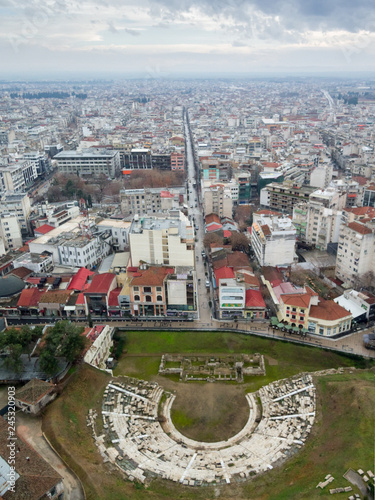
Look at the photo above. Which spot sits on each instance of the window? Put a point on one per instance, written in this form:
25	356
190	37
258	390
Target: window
293	316
159	298
301	318
136	288
136	297
321	331
146	289
148	298
158	288
294	309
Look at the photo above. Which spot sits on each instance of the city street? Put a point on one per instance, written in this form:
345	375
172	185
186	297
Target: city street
196	215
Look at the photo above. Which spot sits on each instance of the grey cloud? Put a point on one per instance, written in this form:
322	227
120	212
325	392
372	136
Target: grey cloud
132	32
294	14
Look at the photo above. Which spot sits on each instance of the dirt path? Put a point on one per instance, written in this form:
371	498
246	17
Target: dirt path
30	430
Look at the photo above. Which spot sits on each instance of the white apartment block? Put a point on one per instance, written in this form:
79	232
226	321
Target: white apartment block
217	200
355	253
76	243
119	230
15	178
167	241
321	176
89	162
10	231
273	240
18	204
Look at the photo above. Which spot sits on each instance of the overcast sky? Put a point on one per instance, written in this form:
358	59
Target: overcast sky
164	38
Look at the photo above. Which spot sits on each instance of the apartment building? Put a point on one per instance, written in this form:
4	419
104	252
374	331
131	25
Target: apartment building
40	160
324	217
283	196
17	177
77	243
164	241
89	162
273	240
178	161
10	231
119	230
151	200
217	200
18	204
355	253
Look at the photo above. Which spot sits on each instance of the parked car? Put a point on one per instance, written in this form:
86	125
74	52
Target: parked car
207	284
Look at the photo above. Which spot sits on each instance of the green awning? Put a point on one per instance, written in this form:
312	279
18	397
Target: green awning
274	321
288	327
280	325
304	330
295	329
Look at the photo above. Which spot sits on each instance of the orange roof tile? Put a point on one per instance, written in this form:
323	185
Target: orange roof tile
328	310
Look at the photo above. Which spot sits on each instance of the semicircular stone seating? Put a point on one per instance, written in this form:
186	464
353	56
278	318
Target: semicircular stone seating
143	446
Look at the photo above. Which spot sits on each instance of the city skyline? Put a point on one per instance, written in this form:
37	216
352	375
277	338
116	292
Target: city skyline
164	39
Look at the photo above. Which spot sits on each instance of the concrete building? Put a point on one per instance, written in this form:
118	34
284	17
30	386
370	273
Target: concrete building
119	230
151	200
309	311
273	240
178	161
38	263
243	180
217	200
77	243
10	231
283	196
164	241
89	162
41	162
355	253
369	195
324	217
18	204
17	177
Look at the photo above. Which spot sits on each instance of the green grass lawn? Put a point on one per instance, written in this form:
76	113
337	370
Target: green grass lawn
144	350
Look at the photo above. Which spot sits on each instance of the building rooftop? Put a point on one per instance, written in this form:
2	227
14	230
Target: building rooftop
359	228
34	390
100	283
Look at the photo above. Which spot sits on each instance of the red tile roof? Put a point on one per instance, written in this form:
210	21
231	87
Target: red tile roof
359	228
21	272
224	273
30	297
227	234
328	310
113	297
296	299
80	278
44	229
254	299
153	276
213	227
101	283
166	194
212	218
266	230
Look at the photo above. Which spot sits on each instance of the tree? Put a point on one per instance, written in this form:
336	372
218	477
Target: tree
48	362
244	216
64	339
212	238
13	360
239	241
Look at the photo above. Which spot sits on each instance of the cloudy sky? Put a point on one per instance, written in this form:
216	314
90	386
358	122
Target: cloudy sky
166	38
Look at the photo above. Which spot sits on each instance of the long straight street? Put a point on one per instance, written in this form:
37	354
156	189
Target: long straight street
196	215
